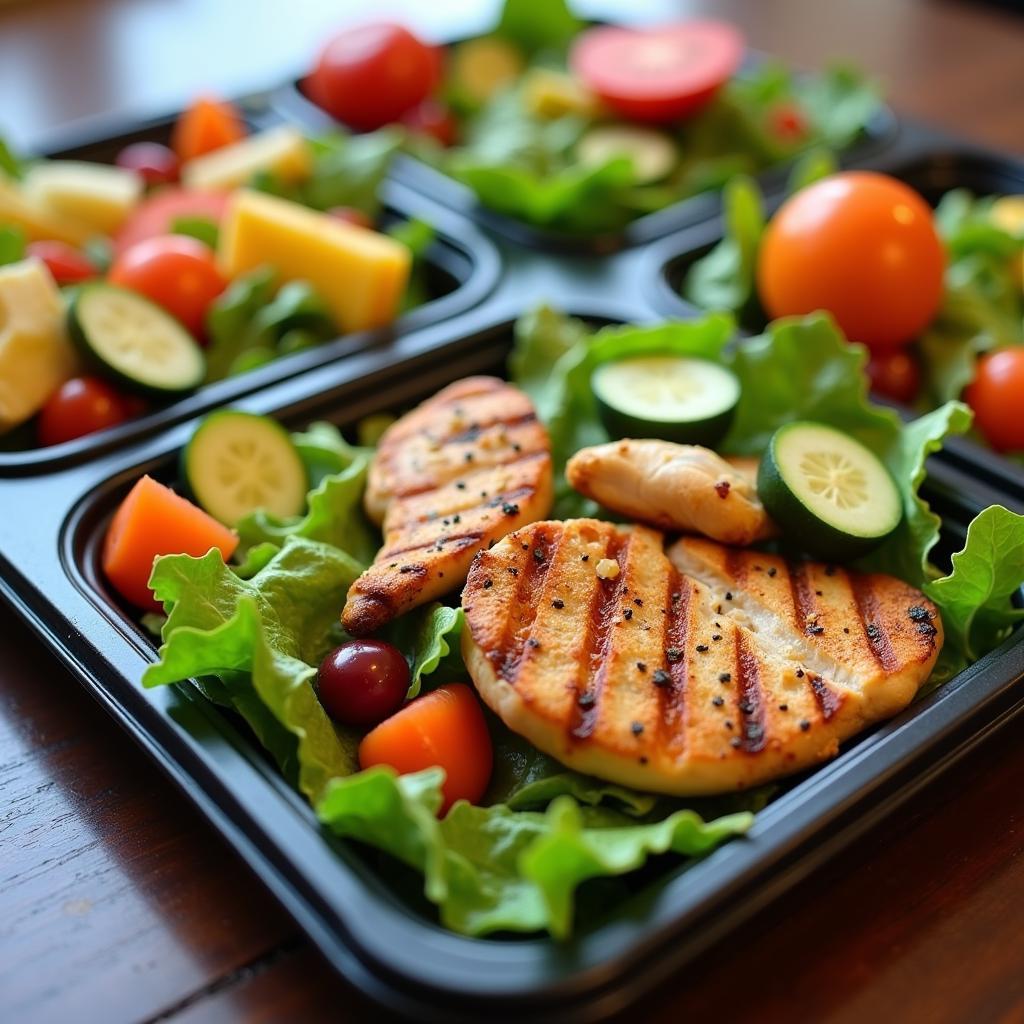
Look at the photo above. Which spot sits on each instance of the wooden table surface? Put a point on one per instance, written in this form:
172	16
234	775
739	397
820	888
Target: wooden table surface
118	902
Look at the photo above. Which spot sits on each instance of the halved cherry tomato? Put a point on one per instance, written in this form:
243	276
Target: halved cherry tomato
657	74
997	397
156	214
176	272
433	119
896	375
66	263
446	728
155	164
370	75
864	247
78	407
206	125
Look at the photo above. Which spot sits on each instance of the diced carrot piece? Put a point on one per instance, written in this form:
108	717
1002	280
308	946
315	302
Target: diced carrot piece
445	728
206	125
152	521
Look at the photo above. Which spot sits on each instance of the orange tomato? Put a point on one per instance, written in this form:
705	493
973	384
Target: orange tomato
862	246
997	397
445	728
206	125
151	521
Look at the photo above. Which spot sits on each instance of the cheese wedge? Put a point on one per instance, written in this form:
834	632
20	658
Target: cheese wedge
96	195
38	223
282	151
36	356
359	273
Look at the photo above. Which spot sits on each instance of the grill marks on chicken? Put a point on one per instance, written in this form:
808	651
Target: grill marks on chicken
666	676
450	478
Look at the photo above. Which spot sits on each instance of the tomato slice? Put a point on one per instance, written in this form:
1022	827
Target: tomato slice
156	214
659	74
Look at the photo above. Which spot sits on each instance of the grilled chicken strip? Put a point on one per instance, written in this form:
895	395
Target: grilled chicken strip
678	487
453	476
646	670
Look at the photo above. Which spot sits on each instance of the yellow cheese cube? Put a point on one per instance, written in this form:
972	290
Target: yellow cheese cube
282	151
359	273
38	224
36	356
93	194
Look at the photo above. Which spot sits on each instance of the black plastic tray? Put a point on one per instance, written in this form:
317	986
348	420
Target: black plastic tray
290	104
463	267
389	949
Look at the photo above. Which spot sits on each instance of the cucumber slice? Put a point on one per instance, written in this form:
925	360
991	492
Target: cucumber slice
654	155
135	341
827	491
237	462
674	398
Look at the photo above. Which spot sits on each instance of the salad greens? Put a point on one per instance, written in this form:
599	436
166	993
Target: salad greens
523	162
254	634
983	306
499	869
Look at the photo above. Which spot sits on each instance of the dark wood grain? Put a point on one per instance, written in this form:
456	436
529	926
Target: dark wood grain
117	903
113	894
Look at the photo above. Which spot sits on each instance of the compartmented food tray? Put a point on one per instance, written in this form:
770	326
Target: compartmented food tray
394	950
462	267
291	104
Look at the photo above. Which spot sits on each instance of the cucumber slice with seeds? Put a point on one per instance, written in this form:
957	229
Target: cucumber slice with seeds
672	398
653	153
238	462
135	342
827	491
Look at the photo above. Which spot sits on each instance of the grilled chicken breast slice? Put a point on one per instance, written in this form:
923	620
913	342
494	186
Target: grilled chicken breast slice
677	487
450	478
585	638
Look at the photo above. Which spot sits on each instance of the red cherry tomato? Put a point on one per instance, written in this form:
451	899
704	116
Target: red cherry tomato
78	407
896	375
156	214
370	75
155	164
362	682
658	74
176	272
997	397
446	728
864	247
434	120
65	262
350	215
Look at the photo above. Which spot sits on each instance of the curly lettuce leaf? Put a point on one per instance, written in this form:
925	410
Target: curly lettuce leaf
429	636
976	598
495	869
261	638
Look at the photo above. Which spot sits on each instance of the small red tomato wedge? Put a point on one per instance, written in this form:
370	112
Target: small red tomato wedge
660	74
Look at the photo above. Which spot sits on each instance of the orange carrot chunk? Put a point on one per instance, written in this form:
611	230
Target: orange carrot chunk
206	125
445	728
152	521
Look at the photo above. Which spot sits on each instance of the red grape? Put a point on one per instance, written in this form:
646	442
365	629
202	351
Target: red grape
363	682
